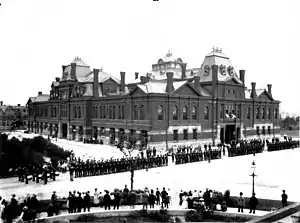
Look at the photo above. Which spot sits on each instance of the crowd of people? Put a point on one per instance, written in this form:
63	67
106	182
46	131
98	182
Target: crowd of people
244	147
276	145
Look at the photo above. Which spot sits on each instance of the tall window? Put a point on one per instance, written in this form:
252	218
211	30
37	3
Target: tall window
222	111
160	113
263	130
101	114
75	112
257	113
185	113
206	112
195	134
136	113
175	135
257	130
238	111
123	112
194	112
97	112
263	111
269	130
119	112
269	113
79	112
175	112
185	134
104	112
276	113
142	112
248	112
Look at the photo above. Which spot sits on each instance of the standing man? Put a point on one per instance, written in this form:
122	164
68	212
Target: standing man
241	203
284	198
253	202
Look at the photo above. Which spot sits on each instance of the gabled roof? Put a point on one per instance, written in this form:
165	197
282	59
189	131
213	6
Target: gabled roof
203	91
234	77
259	92
103	76
41	98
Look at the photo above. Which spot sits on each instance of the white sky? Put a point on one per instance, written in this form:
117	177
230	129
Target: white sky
37	37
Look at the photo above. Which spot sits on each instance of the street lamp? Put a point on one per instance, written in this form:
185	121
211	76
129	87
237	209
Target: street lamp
253	175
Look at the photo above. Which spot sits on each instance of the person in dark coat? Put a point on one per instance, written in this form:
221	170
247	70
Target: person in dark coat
79	202
87	201
164	198
152	199
157	196
71	203
253	202
284	198
34	205
106	201
117	199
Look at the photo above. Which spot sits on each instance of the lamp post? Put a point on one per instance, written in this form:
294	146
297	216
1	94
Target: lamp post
253	175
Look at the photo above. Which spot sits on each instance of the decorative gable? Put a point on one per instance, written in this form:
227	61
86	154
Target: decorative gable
231	81
186	89
264	96
137	91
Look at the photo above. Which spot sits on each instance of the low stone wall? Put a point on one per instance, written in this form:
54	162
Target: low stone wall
279	214
126	213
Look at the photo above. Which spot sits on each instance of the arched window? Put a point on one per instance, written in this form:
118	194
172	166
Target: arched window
263	113
248	112
257	113
206	70
123	112
104	112
136	113
160	113
175	112
269	113
114	112
142	112
276	113
185	112
79	112
206	112
194	112
75	112
100	111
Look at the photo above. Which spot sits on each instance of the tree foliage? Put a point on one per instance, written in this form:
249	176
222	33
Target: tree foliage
15	153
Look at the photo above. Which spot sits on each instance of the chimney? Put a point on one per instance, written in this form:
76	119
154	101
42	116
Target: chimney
170	86
57	79
183	70
253	90
122	88
270	89
40	93
73	70
143	79
242	76
63	69
136	75
197	83
1	103
96	83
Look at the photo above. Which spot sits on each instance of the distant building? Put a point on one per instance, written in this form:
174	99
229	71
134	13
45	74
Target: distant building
12	117
171	105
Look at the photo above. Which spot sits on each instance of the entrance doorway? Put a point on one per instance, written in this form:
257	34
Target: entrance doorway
222	135
64	130
229	133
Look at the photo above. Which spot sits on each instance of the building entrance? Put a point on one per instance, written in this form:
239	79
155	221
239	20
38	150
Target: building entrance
229	133
64	130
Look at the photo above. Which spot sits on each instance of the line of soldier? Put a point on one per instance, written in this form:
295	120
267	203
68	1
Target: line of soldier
87	168
277	145
35	173
244	147
188	154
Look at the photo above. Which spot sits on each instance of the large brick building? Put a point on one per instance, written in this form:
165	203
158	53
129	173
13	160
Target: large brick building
168	106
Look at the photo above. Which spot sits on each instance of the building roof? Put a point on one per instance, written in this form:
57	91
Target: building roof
203	91
169	58
225	67
41	98
159	86
103	76
258	93
82	70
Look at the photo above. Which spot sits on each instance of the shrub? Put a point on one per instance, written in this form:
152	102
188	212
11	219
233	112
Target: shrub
87	218
193	216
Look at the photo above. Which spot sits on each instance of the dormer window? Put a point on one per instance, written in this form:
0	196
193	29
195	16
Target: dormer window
206	70
223	70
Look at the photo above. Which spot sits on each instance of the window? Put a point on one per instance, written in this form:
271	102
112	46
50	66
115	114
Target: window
123	112
206	112
206	70
75	112
257	130
101	115
119	112
269	130
79	112
142	112
195	134
104	112
194	112
248	112
257	113
114	112
222	111
276	113
110	112
185	112
175	135
136	113
185	134
263	130
263	113
160	113
269	113
96	112
233	91
238	111
175	112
